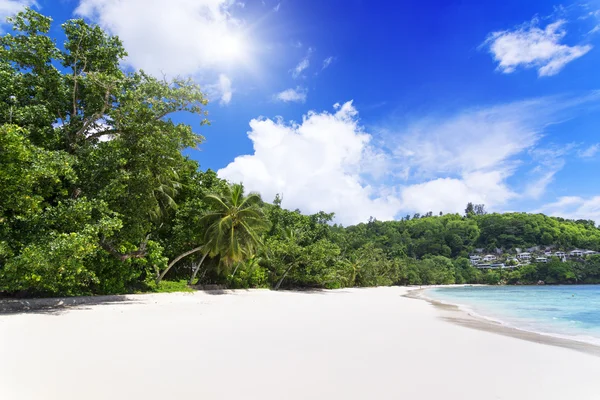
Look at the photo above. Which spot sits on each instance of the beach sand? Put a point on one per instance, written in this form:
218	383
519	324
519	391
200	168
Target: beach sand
259	344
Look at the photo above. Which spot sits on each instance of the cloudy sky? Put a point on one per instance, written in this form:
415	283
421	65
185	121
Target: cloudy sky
381	108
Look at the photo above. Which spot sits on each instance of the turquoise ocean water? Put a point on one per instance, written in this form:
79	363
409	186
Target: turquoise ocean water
564	311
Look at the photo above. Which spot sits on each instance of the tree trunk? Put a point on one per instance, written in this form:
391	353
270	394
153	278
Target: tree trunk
191	282
283	277
203	274
179	257
235	270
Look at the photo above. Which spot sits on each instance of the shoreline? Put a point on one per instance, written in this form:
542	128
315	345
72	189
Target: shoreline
455	314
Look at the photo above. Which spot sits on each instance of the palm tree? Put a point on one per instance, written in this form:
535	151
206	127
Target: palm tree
235	223
166	187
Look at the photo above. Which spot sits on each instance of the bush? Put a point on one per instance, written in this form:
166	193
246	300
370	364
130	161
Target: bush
248	278
167	286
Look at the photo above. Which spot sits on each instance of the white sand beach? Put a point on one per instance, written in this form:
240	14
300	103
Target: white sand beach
345	344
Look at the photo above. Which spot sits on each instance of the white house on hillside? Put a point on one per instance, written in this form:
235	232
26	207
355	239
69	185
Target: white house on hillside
560	254
576	253
524	256
541	260
489	257
491	266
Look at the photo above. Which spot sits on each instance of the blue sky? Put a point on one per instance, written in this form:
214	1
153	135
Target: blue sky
382	108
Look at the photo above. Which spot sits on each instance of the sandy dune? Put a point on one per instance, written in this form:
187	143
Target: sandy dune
347	344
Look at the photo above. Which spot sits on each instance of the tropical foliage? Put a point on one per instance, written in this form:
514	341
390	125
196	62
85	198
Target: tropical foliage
96	196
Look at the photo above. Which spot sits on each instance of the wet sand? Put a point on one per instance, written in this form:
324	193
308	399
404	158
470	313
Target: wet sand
456	315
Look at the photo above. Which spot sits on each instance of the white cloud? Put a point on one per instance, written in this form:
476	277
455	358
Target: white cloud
178	37
225	88
11	7
297	95
470	156
550	160
574	207
276	8
451	195
222	89
532	47
473	140
590	14
315	165
593	15
330	162
590	151
327	62
302	65
538	185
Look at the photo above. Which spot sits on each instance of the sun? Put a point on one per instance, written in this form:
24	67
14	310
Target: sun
236	48
233	48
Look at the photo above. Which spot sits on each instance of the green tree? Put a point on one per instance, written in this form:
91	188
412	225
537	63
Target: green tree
91	160
470	209
234	225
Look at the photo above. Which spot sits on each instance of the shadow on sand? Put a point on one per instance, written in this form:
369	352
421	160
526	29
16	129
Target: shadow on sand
213	290
313	290
56	306
59	305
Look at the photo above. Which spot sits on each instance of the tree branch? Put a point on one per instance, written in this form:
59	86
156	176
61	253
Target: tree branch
140	253
98	134
96	116
179	257
75	78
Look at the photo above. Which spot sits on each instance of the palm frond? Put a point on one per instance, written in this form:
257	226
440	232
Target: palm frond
234	224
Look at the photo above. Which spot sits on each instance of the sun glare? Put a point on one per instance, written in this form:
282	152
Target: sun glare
233	48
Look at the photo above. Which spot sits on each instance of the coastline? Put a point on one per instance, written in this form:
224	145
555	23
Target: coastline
365	343
458	315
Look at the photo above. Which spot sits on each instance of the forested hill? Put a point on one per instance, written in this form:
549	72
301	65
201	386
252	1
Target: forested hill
96	196
455	236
